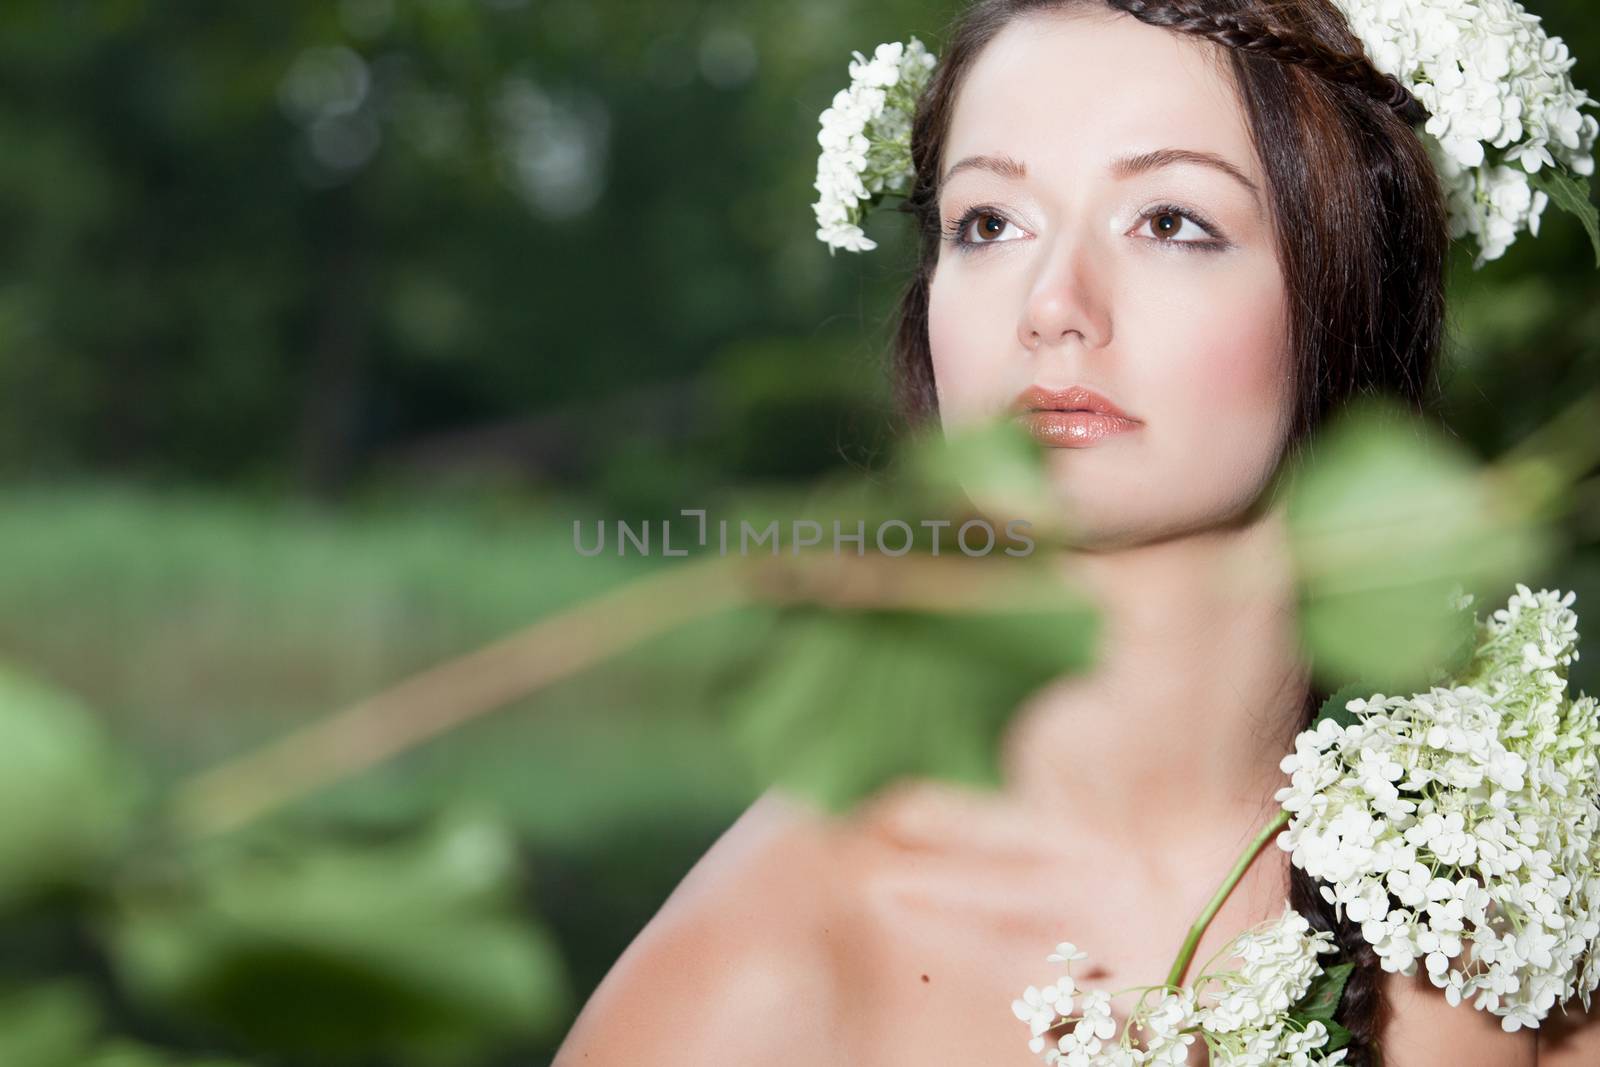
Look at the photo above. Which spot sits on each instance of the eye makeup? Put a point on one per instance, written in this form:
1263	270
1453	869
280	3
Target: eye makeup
955	230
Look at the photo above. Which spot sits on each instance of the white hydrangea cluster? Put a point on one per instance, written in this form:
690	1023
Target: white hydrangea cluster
1459	826
866	141
1245	1016
1501	101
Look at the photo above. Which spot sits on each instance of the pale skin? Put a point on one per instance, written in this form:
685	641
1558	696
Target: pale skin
900	934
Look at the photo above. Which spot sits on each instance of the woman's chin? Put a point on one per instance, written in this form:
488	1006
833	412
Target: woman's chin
1097	508
1110	519
1098	525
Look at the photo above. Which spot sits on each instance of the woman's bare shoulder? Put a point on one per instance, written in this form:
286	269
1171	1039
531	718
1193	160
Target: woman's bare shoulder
1422	1029
736	965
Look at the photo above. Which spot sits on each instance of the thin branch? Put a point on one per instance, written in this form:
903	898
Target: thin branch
444	697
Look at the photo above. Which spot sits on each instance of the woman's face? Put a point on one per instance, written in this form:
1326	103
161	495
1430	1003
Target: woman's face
1093	256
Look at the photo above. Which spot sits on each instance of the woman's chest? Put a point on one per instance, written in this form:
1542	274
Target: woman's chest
938	943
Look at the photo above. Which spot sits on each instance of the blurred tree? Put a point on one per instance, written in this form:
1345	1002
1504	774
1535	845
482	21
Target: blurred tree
269	246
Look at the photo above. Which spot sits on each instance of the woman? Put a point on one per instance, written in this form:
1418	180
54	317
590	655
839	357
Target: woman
1227	240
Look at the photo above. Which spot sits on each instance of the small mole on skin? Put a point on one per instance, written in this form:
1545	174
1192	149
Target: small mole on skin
924	978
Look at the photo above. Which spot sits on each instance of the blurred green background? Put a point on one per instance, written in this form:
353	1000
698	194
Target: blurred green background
320	324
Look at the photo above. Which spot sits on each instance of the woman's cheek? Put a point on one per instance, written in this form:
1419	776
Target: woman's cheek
966	386
1217	394
1237	357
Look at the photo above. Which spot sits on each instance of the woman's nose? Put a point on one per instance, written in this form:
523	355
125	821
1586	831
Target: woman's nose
1068	297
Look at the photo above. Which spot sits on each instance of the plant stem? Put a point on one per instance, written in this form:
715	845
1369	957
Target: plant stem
1191	942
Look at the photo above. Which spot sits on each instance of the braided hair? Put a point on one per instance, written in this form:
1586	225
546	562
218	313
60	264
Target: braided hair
1363	242
1246	32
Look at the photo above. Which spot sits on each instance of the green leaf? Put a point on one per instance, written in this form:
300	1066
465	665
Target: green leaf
1321	1003
842	702
994	466
1570	193
1460	656
47	1025
129	1054
1322	998
411	950
66	792
1338	1036
1334	707
1388	523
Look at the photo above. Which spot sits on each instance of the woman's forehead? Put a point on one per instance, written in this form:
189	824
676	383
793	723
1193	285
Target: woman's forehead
1096	85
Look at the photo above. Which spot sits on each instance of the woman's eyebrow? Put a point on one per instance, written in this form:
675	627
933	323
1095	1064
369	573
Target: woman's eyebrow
1121	168
1128	166
1004	166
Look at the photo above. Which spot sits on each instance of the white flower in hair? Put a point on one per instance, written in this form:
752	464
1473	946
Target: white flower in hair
1506	130
866	141
1503	110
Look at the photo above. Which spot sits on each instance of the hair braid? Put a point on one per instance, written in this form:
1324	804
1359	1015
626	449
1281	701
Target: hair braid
1248	33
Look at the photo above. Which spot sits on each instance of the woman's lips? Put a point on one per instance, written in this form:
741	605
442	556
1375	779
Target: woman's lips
1074	429
1074	417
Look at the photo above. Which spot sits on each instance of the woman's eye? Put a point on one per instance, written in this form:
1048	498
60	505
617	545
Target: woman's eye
980	227
1167	224
1174	225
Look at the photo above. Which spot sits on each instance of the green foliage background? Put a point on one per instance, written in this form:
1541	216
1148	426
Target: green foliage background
319	325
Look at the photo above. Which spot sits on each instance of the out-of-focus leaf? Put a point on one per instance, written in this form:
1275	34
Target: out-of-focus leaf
409	949
843	702
128	1054
46	1025
66	793
1388	523
994	466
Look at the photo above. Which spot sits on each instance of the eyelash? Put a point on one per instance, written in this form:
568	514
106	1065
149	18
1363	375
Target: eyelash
955	231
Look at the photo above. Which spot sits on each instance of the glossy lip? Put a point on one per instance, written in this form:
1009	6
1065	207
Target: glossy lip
1072	398
1075	417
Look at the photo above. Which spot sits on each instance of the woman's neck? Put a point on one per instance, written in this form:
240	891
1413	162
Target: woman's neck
1172	739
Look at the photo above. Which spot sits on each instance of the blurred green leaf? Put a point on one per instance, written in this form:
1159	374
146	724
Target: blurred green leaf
410	949
842	702
128	1054
66	793
994	466
1388	523
47	1025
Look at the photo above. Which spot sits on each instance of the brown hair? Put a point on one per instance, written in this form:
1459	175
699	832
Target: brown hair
1362	239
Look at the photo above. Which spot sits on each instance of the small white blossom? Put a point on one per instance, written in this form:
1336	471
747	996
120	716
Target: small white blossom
1066	952
866	141
1485	868
1243	1015
1502	105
